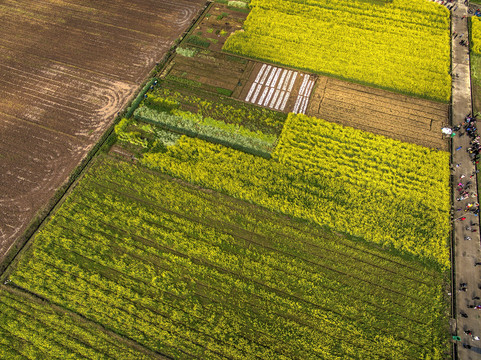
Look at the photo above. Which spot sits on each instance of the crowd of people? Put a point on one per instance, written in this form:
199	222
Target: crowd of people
465	190
472	132
468	201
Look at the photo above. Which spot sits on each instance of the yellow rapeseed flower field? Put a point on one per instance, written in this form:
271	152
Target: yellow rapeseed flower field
403	45
382	190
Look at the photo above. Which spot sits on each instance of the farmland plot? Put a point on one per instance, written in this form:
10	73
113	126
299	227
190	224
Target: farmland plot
65	70
382	190
208	70
223	120
201	64
217	24
261	84
401	45
400	117
192	273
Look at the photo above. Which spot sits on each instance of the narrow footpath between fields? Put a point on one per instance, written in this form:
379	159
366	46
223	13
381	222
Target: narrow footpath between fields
467	243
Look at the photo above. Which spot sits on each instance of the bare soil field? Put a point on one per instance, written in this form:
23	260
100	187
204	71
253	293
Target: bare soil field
381	112
66	69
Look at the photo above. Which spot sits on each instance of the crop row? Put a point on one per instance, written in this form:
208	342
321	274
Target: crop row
240	239
207	128
403	46
382	126
396	208
31	329
250	219
223	109
363	159
194	276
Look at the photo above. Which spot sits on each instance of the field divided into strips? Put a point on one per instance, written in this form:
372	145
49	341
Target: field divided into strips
261	84
379	189
194	274
272	87
34	329
66	69
200	65
198	112
401	45
379	111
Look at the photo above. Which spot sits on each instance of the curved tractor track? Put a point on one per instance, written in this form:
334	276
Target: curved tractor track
66	69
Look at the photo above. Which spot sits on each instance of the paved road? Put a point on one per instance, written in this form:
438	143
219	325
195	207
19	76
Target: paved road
467	252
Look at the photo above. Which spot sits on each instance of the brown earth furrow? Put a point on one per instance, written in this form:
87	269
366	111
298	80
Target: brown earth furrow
357	111
139	20
230	76
397	136
384	93
20	126
337	112
48	97
81	49
41	104
380	128
385	105
45	58
210	67
66	69
379	111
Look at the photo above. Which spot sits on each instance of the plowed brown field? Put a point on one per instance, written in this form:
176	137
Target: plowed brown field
382	112
66	69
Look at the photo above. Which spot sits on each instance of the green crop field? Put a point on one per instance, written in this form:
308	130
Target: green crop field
192	273
34	329
403	45
379	189
222	120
